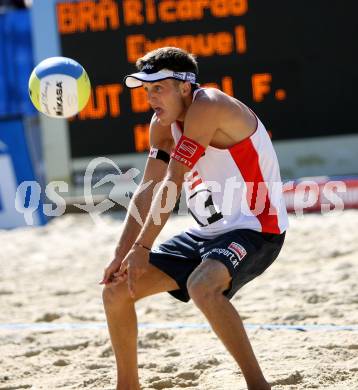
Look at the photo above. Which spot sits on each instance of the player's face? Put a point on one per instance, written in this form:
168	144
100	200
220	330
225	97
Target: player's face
167	99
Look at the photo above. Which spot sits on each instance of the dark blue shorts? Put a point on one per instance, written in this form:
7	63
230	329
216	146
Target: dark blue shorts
246	254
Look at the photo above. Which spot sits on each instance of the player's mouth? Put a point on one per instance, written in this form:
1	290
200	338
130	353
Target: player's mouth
158	110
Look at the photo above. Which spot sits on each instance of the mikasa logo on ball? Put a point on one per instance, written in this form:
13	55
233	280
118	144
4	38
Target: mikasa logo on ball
59	92
59	96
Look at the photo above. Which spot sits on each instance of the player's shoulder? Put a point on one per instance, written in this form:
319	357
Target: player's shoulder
211	98
208	96
207	102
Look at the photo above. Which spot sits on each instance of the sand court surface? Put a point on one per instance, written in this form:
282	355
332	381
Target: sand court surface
52	324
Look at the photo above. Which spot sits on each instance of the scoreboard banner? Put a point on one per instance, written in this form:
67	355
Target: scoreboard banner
291	62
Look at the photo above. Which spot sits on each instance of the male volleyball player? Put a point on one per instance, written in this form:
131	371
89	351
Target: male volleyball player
216	147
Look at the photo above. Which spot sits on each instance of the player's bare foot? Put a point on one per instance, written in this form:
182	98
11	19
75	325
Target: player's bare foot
264	386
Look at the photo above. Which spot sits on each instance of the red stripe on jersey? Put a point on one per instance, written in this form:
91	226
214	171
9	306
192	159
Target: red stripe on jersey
247	160
196	183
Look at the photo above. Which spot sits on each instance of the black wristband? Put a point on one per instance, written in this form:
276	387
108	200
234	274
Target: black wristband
142	246
159	155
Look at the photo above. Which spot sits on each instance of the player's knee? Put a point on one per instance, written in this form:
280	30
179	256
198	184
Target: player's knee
201	292
208	283
115	295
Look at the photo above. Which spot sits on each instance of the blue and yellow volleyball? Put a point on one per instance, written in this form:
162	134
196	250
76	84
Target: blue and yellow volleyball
59	87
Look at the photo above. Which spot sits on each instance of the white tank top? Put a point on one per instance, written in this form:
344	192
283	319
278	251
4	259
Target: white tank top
236	188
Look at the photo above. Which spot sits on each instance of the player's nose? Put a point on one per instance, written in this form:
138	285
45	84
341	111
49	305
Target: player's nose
152	97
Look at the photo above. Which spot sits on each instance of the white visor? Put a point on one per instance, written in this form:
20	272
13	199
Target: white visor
135	80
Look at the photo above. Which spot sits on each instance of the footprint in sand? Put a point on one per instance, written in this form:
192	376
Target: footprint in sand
61	363
107	352
150	338
159	383
188	375
315	298
331	346
6	292
169	368
186	379
292	379
100	343
172	353
151	365
83	318
66	292
147	365
48	317
69	347
206	363
299	317
157	335
182	379
146	345
33	352
353	346
96	383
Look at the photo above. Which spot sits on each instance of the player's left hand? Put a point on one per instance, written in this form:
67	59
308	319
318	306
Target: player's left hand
135	264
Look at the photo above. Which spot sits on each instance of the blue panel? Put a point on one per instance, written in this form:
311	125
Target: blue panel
13	148
16	58
59	65
34	145
4	101
1	206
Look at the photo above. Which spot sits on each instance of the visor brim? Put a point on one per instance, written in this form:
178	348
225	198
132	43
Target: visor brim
136	80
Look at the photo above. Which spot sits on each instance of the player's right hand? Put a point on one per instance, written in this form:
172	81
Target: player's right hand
110	274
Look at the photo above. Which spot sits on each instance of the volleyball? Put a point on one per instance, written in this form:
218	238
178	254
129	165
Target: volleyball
59	87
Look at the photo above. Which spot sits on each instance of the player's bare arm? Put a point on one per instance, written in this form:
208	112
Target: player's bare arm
154	172
200	127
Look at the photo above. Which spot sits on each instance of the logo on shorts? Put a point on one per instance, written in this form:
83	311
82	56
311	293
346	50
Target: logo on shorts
187	148
238	249
222	252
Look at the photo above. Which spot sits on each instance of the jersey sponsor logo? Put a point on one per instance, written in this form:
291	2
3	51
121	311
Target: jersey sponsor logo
238	249
187	148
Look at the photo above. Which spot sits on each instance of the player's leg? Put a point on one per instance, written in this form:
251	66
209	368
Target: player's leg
122	321
206	286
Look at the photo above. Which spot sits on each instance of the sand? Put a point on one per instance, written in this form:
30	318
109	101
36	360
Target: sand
49	282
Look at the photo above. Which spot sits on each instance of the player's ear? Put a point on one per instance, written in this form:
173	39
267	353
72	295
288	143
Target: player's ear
186	88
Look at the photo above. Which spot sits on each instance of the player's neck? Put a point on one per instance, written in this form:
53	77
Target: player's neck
187	103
